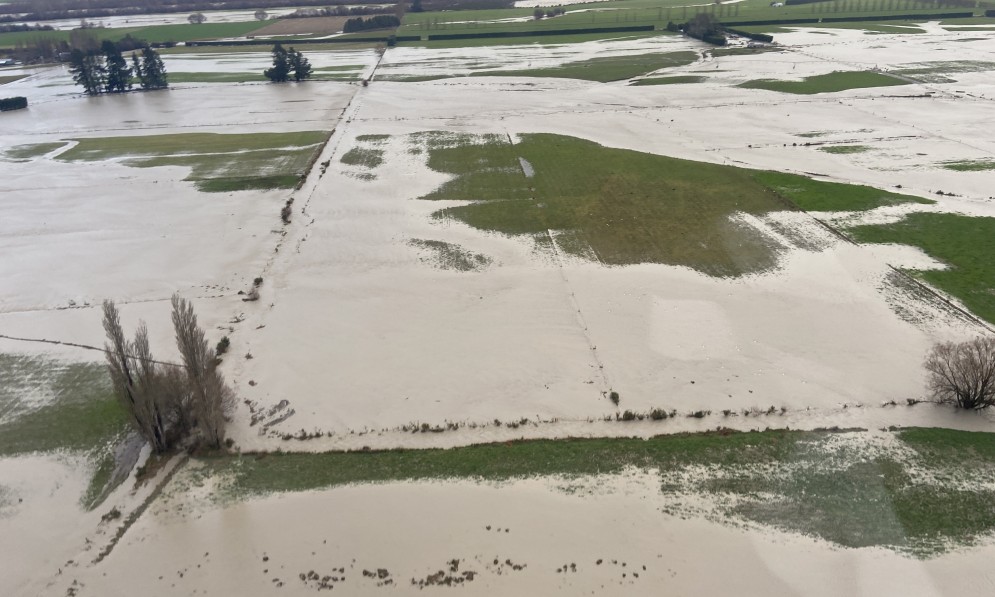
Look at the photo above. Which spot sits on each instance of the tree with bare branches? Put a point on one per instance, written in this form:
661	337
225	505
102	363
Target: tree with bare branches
210	396
963	373
168	402
135	379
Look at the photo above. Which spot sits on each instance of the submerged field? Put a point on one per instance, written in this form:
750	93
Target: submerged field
546	329
217	162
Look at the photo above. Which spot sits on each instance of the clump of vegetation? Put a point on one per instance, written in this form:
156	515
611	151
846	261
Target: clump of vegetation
222	346
963	373
614	397
168	403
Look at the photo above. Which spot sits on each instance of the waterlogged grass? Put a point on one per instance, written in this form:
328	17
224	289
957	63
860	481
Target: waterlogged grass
816	195
363	156
845	149
966	244
216	77
678	80
50	406
448	256
102	148
31	150
4	79
828	83
625	207
721	52
969	165
217	162
610	68
937	72
840	487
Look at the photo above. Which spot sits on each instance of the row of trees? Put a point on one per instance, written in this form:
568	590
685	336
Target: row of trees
107	71
288	64
377	22
168	404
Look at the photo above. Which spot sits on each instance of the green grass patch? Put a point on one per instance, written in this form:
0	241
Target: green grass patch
78	413
625	207
363	156
152	34
816	195
611	68
969	165
828	83
722	52
678	80
4	79
31	150
966	244
840	487
216	77
844	149
547	40
217	162
204	31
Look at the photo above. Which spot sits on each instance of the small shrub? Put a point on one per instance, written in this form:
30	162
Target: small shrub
13	103
285	213
613	396
222	346
658	414
628	416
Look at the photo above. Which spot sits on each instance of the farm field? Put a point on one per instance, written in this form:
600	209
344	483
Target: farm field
484	303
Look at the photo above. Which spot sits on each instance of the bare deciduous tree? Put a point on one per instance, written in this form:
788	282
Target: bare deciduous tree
168	402
963	373
210	396
135	378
